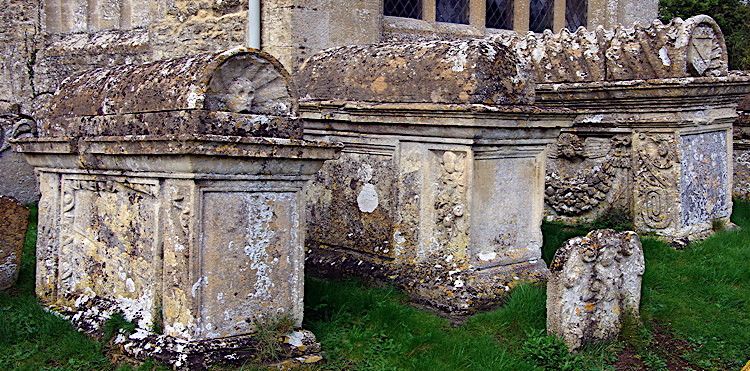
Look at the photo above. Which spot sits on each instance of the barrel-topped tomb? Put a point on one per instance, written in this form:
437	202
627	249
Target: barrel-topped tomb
439	187
172	192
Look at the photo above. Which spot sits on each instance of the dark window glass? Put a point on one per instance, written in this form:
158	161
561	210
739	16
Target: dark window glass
452	11
403	8
575	13
499	14
541	13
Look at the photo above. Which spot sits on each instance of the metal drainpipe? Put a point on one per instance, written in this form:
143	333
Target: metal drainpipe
253	24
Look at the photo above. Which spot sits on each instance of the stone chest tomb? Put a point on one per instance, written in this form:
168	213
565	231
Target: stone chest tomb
172	191
652	136
440	184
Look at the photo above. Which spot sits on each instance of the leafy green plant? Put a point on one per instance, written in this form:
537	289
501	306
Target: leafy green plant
654	362
115	324
549	352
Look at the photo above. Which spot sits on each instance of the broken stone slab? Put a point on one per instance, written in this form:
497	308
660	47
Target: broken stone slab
693	47
439	186
656	151
594	283
181	207
14	218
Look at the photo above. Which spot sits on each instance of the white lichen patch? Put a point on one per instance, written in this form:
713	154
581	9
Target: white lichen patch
258	236
367	200
664	56
487	256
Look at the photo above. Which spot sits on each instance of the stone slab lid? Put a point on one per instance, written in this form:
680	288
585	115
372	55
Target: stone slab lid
247	86
467	71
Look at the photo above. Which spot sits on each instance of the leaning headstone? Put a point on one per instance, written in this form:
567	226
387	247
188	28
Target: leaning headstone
594	282
14	218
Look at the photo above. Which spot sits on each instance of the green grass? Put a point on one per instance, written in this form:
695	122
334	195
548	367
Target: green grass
703	293
700	295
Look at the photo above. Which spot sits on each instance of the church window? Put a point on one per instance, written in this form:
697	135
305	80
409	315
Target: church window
403	8
575	14
541	14
499	14
452	11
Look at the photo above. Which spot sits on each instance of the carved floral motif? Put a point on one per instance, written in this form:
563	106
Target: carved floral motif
183	206
577	194
655	158
451	198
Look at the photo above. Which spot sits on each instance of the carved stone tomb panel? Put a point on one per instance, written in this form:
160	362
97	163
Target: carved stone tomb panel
48	244
656	174
507	210
252	260
179	306
109	241
587	175
741	176
446	215
351	204
704	178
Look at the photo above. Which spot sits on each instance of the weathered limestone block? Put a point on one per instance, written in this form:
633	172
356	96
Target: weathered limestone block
14	218
436	190
610	13
172	192
657	150
17	47
693	47
294	30
474	71
594	282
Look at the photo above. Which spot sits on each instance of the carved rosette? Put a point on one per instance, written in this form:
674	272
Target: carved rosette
585	189
655	180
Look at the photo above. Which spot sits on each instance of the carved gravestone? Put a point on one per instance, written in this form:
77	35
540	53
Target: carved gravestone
13	221
594	282
18	180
